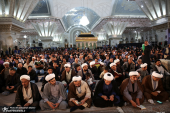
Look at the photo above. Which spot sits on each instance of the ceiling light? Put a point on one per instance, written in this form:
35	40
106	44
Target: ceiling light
142	6
25	36
84	21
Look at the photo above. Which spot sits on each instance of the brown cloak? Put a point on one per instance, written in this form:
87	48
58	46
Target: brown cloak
72	94
147	84
124	85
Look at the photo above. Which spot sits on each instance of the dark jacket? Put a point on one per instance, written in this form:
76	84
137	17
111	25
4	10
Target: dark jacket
19	100
155	68
13	80
22	71
146	56
32	74
99	88
63	77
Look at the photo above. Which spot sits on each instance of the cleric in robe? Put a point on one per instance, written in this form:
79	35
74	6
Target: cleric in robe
132	90
67	74
154	88
106	93
27	94
79	91
54	94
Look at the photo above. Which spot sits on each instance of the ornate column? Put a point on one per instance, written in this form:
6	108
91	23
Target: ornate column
12	15
115	30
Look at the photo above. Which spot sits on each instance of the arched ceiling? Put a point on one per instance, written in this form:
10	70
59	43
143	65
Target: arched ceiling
60	7
73	17
98	12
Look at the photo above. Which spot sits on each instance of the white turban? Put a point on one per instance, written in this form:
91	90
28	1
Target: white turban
133	73
76	78
143	65
101	63
108	76
49	77
112	64
25	77
84	64
92	63
33	57
157	75
67	65
6	63
116	61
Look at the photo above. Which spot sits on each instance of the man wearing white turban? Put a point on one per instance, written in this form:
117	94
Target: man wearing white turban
79	95
27	94
54	94
67	74
106	93
154	88
132	90
85	70
142	71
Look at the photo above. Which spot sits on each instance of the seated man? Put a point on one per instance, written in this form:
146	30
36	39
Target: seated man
54	94
106	69
39	66
132	90
117	74
106	92
21	70
79	95
142	71
4	73
85	70
12	82
118	66
154	88
32	63
139	62
76	62
49	71
27	94
94	70
67	75
56	71
32	74
127	67
166	75
77	68
101	68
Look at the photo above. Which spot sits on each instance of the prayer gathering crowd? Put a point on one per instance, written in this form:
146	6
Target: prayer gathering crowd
80	78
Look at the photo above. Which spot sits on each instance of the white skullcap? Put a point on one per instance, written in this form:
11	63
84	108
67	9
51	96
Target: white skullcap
76	78
92	63
42	59
49	77
67	65
6	63
101	63
33	57
112	64
116	61
84	64
25	77
143	65
133	73
108	76
157	75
